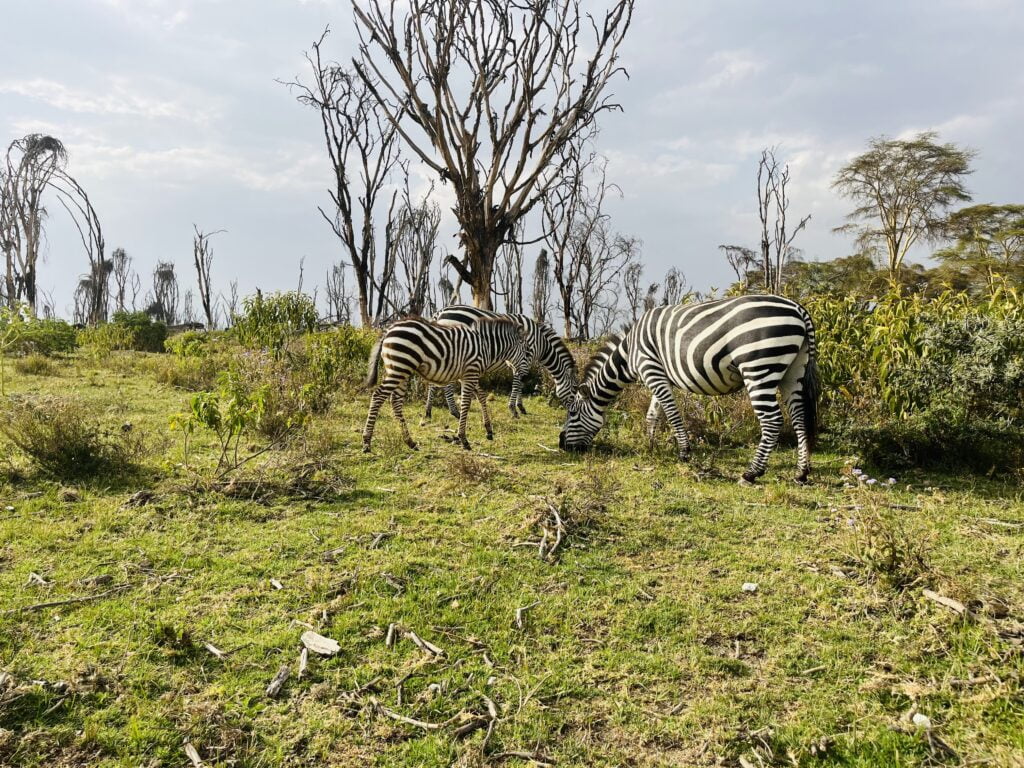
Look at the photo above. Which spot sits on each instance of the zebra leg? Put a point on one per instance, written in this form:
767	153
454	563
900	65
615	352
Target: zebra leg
449	397
380	394
431	391
397	401
656	381
470	385
482	397
653	417
515	398
792	395
762	392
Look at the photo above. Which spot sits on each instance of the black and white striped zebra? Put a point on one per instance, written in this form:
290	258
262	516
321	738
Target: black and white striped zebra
545	348
441	354
763	343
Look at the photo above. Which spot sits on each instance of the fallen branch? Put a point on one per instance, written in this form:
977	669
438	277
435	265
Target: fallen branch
521	612
535	757
953	605
278	682
193	755
402	718
69	601
424	645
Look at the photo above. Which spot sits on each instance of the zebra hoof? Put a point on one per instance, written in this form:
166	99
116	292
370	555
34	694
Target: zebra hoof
522	410
412	445
490	435
466	445
801	479
745	483
366	447
684	456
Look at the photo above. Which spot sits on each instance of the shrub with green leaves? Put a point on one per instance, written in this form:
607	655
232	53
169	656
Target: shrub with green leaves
68	440
269	322
127	331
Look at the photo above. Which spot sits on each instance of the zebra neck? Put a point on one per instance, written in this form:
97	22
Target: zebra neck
612	377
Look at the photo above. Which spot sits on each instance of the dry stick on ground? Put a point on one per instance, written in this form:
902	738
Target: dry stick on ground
70	601
278	682
546	552
953	605
402	718
215	650
424	645
521	612
534	757
303	662
193	754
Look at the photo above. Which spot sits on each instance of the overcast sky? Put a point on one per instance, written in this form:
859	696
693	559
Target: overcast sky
172	116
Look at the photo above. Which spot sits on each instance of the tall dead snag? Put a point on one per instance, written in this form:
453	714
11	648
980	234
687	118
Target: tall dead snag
414	245
202	257
508	272
541	296
363	148
76	202
741	260
124	277
339	300
489	93
772	205
30	165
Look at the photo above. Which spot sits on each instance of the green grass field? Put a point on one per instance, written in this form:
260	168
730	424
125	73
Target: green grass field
637	644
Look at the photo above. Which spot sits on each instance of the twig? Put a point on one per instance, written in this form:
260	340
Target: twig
303	662
535	757
402	718
953	605
193	755
70	601
424	645
278	682
521	612
549	450
215	650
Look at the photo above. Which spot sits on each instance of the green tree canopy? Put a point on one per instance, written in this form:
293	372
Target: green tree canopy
902	190
987	239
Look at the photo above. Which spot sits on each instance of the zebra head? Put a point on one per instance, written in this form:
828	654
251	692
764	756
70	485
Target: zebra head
582	423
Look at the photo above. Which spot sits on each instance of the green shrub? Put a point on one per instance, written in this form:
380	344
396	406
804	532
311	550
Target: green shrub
35	365
67	440
127	331
193	374
337	357
269	322
189	343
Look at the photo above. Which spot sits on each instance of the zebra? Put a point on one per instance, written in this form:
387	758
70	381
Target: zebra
546	348
441	355
764	343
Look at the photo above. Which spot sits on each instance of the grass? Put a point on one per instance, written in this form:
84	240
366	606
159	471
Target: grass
641	648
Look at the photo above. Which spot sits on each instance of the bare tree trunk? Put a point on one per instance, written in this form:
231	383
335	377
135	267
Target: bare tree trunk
202	257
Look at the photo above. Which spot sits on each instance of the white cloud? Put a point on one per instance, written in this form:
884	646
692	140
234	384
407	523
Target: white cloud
730	68
119	96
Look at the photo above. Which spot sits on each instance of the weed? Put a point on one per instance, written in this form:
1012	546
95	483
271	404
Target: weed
35	365
887	550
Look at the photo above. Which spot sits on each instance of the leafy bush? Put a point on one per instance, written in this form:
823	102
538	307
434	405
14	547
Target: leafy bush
190	343
193	374
24	334
131	331
269	322
35	365
336	357
66	439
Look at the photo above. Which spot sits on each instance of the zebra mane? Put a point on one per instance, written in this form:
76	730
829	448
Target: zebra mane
603	353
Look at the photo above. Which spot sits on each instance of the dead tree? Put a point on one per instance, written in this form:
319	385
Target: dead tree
741	260
339	300
229	304
362	144
124	278
508	273
73	197
163	305
631	289
772	206
541	297
651	297
30	164
202	257
673	287
415	233
488	94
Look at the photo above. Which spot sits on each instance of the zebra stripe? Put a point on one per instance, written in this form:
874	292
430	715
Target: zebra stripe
543	344
763	343
441	354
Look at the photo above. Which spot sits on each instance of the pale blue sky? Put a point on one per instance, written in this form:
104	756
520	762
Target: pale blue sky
172	116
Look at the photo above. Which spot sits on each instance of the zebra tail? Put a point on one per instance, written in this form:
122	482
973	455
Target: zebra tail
810	390
374	366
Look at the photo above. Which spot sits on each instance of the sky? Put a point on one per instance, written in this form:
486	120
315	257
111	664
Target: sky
174	116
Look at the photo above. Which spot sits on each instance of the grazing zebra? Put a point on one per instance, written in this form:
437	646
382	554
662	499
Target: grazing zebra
543	344
441	355
763	343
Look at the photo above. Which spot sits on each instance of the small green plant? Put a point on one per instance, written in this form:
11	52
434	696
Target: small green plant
67	440
269	322
127	331
888	551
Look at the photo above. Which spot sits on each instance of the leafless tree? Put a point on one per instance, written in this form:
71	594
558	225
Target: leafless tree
136	287
188	308
651	297
631	289
508	272
414	240
202	257
163	304
741	260
229	304
772	206
73	197
30	164
123	275
363	149
673	286
339	299
541	297
487	93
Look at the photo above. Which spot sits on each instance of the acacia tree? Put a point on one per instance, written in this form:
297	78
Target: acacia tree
30	164
902	190
202	257
362	145
741	260
487	93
